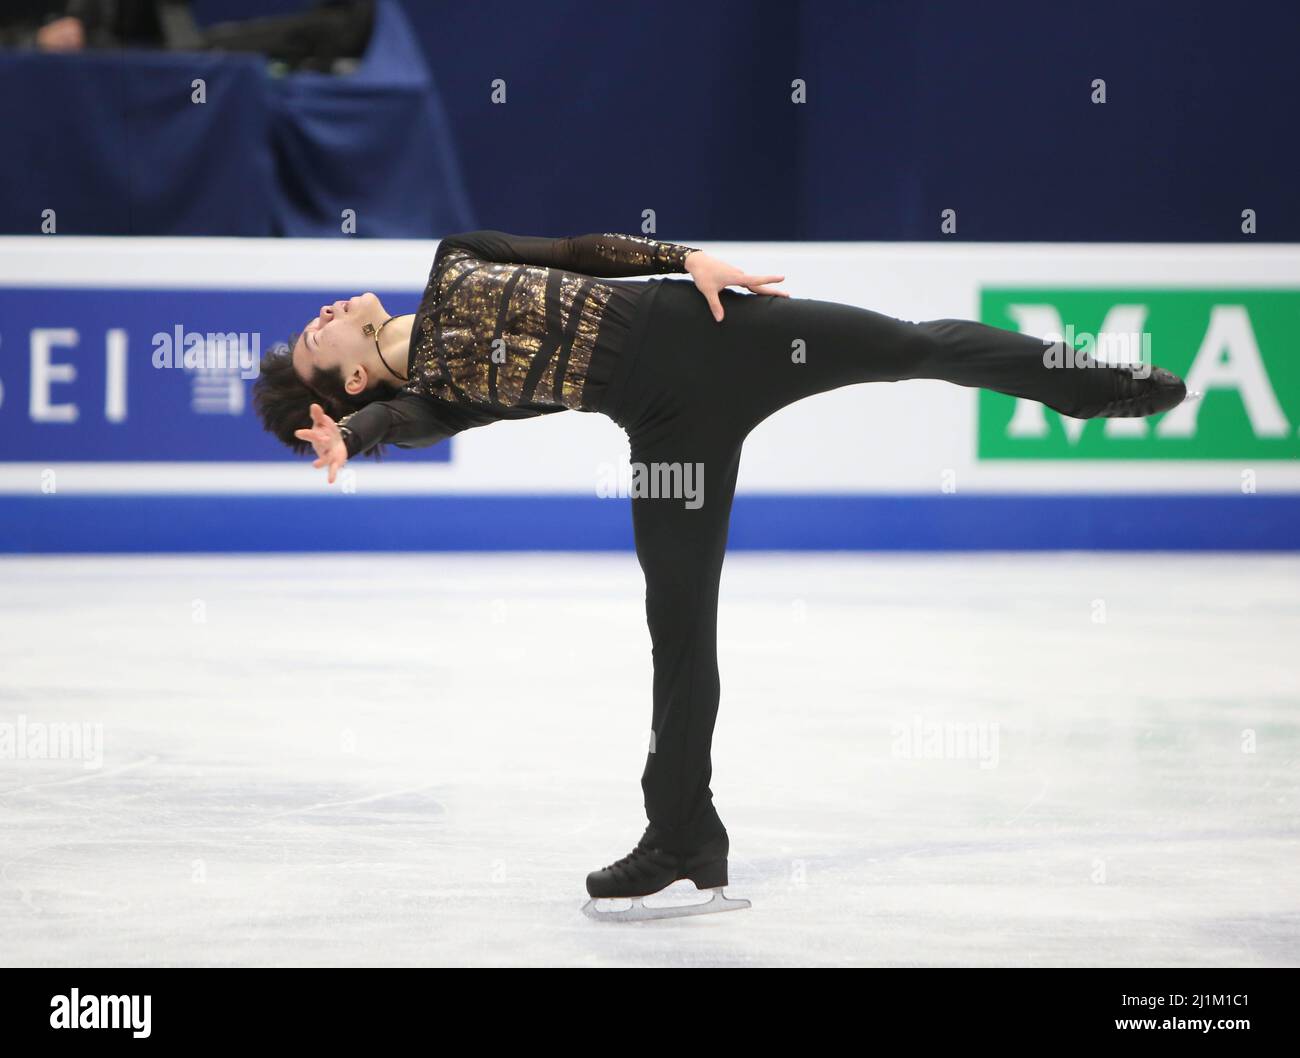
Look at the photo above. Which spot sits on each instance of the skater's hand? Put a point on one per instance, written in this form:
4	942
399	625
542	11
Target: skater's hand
712	275
325	437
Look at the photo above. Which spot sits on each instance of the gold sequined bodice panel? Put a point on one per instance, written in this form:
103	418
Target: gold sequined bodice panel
516	322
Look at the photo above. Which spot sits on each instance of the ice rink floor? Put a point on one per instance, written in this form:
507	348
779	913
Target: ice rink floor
1051	759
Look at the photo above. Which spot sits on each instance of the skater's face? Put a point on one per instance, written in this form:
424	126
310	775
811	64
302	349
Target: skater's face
336	341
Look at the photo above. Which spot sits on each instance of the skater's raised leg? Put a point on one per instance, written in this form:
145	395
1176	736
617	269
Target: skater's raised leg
770	352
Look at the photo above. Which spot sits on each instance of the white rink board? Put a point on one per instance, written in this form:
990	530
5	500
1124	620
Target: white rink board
868	439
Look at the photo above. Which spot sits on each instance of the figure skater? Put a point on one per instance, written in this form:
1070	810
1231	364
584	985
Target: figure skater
511	327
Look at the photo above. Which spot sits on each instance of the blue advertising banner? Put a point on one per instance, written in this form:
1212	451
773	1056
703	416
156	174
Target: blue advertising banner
133	375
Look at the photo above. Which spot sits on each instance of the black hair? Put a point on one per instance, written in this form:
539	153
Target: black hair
284	400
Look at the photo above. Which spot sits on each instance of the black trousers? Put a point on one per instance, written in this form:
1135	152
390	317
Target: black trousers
695	391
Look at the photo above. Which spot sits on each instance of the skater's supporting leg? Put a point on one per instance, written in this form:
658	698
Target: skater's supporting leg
680	544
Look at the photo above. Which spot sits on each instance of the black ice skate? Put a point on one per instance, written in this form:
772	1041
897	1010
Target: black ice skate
1139	395
647	871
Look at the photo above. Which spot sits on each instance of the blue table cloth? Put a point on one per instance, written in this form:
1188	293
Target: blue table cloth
117	143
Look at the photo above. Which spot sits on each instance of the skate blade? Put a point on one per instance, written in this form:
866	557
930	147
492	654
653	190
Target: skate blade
640	912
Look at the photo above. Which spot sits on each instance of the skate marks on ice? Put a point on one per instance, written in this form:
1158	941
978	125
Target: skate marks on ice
636	909
394	797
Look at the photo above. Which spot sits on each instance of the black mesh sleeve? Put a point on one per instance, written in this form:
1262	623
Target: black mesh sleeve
408	421
607	255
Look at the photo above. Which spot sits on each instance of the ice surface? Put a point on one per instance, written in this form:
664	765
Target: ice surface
415	759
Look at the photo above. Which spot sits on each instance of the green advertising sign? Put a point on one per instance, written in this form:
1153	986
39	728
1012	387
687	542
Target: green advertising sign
1240	348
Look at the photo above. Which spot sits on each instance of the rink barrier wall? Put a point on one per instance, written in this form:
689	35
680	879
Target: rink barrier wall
102	449
202	524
